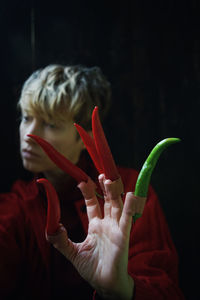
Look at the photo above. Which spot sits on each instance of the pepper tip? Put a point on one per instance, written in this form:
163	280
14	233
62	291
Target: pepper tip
33	136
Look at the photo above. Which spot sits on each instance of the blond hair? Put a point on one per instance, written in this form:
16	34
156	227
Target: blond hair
58	92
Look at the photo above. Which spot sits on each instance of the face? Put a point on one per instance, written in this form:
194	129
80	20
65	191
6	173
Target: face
62	137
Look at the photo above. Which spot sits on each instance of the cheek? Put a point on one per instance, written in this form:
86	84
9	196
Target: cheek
63	142
63	147
70	149
21	132
22	128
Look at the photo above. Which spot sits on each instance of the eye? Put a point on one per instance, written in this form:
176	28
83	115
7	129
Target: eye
49	125
25	118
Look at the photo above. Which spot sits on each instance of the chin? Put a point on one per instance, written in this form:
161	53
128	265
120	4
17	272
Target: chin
31	167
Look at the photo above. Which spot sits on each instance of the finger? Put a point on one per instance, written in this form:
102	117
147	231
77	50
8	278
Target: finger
140	203
133	206
62	243
107	202
128	212
114	190
101	182
92	204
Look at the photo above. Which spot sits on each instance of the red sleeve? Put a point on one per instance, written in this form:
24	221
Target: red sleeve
11	237
153	260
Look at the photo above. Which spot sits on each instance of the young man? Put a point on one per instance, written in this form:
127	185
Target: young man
97	253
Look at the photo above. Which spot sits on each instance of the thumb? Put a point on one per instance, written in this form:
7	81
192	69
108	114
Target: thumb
62	243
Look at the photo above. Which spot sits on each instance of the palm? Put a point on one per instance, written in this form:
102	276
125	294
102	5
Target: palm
102	253
102	258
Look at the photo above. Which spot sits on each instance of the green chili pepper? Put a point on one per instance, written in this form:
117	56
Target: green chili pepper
142	184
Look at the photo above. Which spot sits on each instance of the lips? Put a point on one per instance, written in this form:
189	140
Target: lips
29	154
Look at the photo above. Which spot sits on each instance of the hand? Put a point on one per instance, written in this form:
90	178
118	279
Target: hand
102	258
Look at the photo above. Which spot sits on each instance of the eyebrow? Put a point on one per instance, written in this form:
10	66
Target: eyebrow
25	110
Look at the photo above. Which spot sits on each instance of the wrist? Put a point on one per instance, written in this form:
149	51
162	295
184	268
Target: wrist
122	291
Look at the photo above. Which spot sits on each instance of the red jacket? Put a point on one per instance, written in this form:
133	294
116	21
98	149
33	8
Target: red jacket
30	268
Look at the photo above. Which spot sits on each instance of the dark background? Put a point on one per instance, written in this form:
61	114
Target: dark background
150	52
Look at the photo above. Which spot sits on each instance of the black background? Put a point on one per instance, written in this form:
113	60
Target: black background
150	52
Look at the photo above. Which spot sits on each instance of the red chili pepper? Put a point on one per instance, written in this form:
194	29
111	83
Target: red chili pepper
103	148
60	160
53	213
91	148
98	148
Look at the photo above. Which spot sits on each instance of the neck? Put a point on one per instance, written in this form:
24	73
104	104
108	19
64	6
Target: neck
60	180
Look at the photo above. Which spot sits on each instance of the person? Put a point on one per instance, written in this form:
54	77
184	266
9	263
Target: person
99	253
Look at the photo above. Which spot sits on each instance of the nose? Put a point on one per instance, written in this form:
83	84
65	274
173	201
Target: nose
32	128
